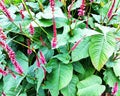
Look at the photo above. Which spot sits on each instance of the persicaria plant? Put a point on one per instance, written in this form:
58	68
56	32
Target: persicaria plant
60	47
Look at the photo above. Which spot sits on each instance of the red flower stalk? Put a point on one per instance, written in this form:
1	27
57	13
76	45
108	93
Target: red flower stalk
22	15
2	35
42	58
69	8
4	73
54	39
5	10
76	44
115	89
38	61
43	43
52	5
81	10
31	29
54	42
12	57
110	11
29	51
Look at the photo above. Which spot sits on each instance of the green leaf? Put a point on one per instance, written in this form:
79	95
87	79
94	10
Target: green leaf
87	69
65	58
77	4
97	17
81	51
70	90
59	78
101	48
23	94
40	76
31	74
47	14
110	78
78	67
116	67
91	86
11	84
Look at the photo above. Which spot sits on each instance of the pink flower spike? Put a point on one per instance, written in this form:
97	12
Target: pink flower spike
52	5
12	56
54	39
5	10
76	44
115	89
2	35
22	15
31	29
29	51
4	73
38	61
54	42
18	68
110	11
42	58
81	10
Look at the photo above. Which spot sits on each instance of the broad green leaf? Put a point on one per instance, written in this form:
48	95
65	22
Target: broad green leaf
59	78
65	58
81	51
91	86
33	5
116	67
110	78
78	67
31	74
42	22
40	76
23	94
41	92
105	29
63	38
11	83
51	65
77	4
1	87
70	90
101	48
87	32
86	69
47	14
77	34
97	17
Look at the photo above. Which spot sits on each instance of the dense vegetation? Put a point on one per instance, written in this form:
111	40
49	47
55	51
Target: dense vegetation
59	47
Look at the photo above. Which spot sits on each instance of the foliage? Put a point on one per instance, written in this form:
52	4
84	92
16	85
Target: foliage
61	52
